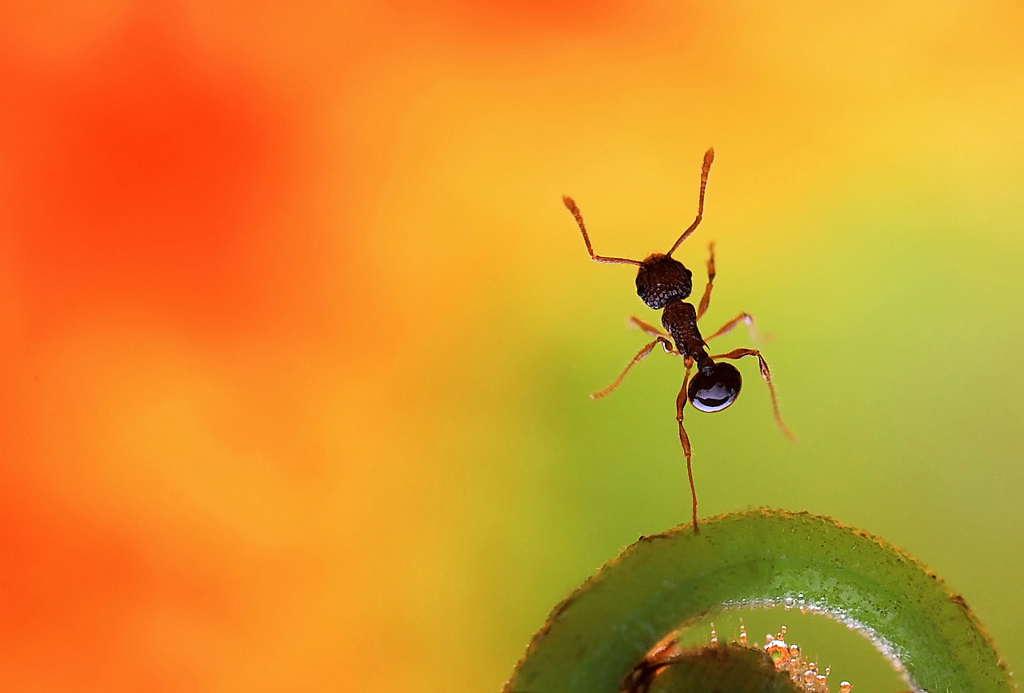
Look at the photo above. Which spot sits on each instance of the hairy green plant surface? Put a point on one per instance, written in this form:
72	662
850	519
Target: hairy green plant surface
594	638
732	668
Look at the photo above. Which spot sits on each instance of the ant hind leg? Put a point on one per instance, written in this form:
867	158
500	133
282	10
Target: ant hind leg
640	356
767	376
684	440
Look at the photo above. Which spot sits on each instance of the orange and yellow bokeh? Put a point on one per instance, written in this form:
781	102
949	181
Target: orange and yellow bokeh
296	335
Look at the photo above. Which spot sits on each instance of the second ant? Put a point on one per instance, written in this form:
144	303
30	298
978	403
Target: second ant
663	283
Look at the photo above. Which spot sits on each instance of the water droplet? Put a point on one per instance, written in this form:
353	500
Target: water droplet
845	687
779	652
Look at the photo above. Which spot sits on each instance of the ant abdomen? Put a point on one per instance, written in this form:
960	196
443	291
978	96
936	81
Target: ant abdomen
714	387
662	280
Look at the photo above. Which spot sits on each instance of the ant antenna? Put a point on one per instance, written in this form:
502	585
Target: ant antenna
571	206
709	156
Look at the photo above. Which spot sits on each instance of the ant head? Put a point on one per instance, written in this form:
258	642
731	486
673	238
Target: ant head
714	388
662	280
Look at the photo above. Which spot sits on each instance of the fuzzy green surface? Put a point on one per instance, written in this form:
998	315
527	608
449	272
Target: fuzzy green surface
596	636
725	669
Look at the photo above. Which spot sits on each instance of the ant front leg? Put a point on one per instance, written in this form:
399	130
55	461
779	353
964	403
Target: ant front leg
767	376
684	439
640	356
706	298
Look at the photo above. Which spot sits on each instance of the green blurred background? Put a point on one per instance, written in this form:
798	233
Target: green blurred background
295	381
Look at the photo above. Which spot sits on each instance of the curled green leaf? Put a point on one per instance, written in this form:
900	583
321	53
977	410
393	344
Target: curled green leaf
735	668
595	638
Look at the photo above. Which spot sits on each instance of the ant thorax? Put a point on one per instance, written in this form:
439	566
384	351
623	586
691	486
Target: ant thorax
680	319
662	280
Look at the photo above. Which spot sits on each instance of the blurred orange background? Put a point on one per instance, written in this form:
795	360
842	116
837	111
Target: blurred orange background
296	336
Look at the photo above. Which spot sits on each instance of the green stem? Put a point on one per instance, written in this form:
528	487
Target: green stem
594	638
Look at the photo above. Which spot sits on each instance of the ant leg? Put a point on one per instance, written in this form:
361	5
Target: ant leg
684	439
571	206
745	318
766	374
647	328
706	298
640	356
709	156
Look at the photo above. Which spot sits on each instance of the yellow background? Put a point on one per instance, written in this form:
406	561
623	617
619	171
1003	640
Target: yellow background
296	336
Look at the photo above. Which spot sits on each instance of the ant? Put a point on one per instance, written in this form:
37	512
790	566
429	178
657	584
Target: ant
663	283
